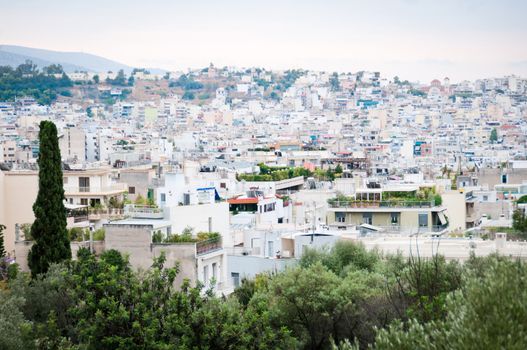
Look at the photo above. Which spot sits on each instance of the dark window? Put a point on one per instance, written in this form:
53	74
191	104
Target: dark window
423	220
394	218
235	279
131	189
340	217
84	184
367	218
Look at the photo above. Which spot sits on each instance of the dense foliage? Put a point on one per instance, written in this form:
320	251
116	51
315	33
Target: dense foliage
102	304
27	80
342	298
49	232
519	223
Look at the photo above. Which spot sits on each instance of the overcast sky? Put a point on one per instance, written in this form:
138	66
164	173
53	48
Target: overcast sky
414	39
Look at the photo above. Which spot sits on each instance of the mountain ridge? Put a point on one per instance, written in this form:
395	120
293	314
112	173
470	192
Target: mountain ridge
71	61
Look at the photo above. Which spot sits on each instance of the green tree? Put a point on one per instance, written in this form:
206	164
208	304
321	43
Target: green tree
49	228
519	222
2	246
488	312
334	82
96	79
494	136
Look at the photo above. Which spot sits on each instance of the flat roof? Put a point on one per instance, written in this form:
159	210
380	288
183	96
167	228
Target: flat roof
155	223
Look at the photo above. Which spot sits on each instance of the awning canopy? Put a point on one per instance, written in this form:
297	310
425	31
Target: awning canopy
442	218
371	227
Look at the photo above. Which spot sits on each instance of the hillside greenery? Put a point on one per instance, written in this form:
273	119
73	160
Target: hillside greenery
26	80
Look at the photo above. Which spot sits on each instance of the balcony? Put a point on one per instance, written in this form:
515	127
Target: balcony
208	246
95	190
144	212
356	204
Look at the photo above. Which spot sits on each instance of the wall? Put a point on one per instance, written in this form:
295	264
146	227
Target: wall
197	217
317	243
182	253
456	209
140	179
134	240
19	192
22	249
249	266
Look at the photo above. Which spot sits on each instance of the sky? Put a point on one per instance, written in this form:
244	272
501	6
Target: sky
413	39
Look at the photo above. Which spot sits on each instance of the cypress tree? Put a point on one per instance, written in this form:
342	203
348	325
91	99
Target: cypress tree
49	228
2	247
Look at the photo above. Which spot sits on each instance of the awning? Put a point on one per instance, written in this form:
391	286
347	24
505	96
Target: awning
371	227
442	218
74	206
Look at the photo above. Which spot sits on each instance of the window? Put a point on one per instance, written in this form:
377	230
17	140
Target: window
131	189
215	271
340	217
84	184
163	197
367	218
206	275
270	248
65	180
235	279
394	219
223	185
504	178
84	201
423	220
485	198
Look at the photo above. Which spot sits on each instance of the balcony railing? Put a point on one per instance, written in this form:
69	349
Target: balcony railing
208	246
144	211
80	218
381	204
95	189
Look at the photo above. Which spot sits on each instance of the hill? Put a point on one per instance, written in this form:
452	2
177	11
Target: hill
12	55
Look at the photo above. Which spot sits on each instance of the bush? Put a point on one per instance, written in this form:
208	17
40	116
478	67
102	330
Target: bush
99	235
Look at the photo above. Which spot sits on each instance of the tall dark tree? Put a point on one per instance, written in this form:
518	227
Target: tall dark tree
49	229
2	247
494	136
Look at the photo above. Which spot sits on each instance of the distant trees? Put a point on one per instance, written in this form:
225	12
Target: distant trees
49	228
96	79
26	80
53	69
186	83
119	80
493	136
188	95
334	82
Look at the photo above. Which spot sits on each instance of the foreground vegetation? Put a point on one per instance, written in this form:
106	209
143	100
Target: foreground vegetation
344	298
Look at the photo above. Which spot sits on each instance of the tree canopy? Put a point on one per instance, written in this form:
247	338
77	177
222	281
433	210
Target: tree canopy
49	228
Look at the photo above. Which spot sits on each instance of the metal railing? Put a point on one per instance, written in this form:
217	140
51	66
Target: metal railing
144	211
80	218
381	204
208	246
